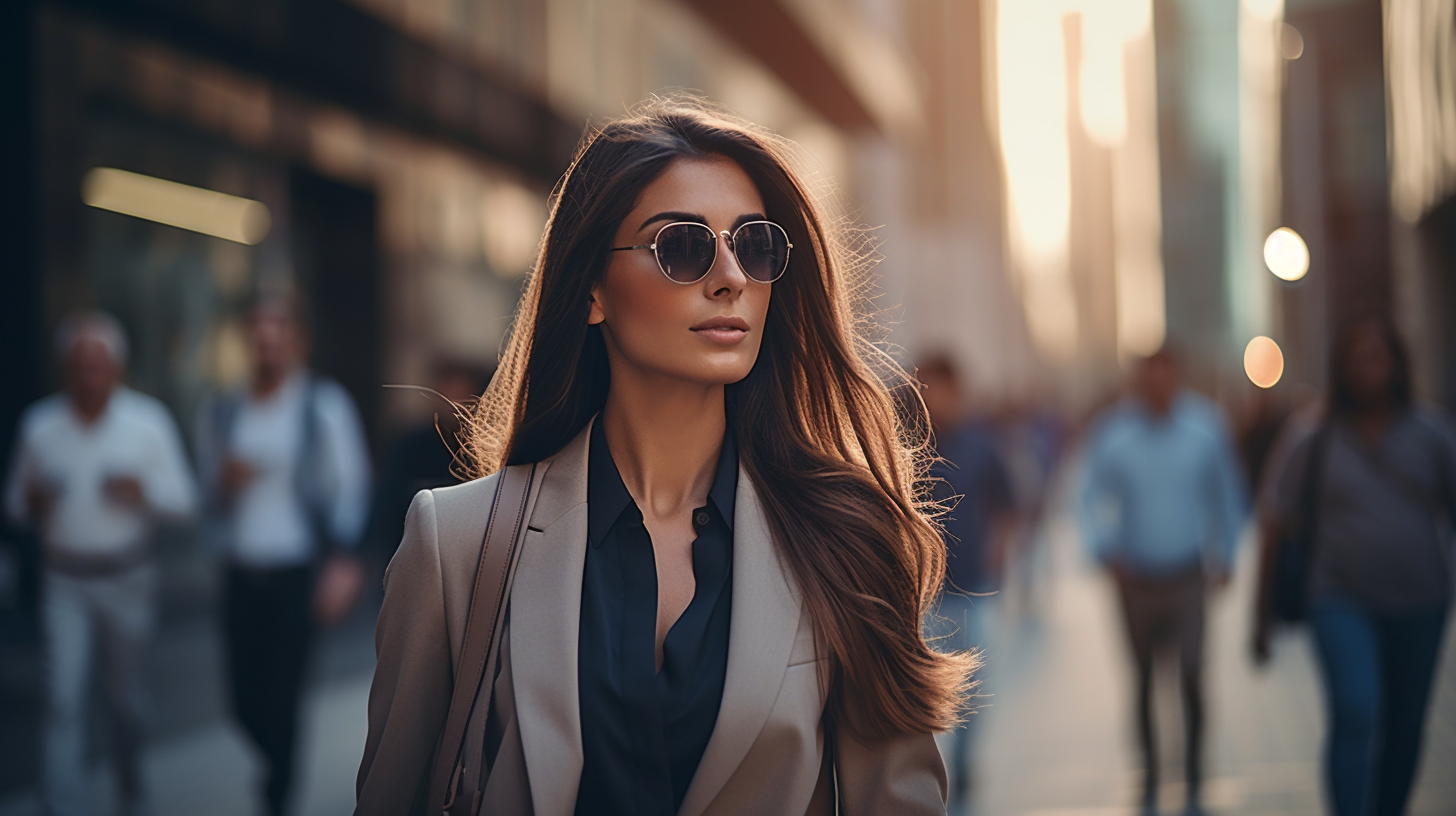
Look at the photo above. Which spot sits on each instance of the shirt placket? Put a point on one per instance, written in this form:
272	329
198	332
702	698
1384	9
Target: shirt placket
639	665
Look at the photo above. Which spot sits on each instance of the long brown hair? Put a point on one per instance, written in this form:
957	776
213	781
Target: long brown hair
837	467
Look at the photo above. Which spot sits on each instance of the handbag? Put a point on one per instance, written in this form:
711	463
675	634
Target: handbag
455	787
1289	592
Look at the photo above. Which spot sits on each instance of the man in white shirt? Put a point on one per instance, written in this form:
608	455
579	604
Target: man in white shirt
95	467
285	470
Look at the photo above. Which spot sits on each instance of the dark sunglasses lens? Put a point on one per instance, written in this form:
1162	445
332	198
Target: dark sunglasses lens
762	250
685	251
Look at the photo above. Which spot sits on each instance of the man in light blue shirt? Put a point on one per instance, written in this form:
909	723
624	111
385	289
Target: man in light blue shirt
1162	506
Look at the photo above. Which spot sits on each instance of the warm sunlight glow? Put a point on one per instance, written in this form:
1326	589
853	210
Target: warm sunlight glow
1107	28
1033	92
1265	9
1114	102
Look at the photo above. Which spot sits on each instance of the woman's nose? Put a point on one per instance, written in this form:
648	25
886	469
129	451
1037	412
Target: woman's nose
728	262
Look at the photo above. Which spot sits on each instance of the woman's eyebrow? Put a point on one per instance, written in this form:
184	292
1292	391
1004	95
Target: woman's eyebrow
674	216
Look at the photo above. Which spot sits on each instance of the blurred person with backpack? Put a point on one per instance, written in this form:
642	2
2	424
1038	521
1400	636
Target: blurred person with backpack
285	470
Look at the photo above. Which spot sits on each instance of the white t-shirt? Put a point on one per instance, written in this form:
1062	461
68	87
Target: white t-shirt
72	460
268	525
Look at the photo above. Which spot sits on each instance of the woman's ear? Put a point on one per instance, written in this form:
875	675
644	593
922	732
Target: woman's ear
595	315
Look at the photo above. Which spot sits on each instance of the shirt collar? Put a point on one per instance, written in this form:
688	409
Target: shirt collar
607	496
1176	408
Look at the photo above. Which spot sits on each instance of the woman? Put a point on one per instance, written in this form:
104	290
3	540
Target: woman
718	601
1383	480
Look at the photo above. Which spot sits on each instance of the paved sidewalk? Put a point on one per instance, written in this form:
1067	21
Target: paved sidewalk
212	771
198	761
1057	736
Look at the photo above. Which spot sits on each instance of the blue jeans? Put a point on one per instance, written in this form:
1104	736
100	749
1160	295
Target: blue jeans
1377	671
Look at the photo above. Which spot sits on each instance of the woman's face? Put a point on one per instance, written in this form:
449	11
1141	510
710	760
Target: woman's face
1369	365
707	332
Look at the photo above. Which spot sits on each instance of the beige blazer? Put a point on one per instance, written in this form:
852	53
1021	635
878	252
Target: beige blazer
766	754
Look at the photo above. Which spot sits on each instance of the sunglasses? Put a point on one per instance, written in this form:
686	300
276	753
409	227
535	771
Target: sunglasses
686	251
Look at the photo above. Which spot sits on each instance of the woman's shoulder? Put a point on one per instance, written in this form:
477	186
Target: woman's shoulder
475	495
460	513
1431	420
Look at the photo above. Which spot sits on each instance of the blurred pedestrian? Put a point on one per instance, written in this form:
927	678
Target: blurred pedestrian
285	468
95	467
1373	485
1162	507
1032	436
971	480
425	455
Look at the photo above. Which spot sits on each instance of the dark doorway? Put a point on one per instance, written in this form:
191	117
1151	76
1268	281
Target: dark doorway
336	252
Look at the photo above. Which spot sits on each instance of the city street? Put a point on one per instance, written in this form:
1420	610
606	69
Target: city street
1055	741
274	267
1058	736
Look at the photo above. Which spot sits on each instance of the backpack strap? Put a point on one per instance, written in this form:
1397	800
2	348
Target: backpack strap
481	646
222	409
306	465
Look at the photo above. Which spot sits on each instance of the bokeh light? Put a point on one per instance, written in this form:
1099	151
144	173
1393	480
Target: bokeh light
1291	42
1286	254
1263	362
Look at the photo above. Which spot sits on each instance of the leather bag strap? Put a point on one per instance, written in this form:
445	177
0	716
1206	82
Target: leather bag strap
482	631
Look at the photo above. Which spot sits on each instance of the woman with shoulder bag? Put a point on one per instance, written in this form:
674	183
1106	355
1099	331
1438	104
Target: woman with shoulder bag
1372	489
714	602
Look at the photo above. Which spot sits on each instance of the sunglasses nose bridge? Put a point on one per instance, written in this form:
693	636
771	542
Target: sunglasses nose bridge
729	257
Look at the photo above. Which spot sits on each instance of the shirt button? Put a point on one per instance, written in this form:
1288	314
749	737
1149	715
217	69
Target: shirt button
702	518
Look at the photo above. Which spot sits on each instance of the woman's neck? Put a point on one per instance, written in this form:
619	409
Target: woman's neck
269	381
665	440
1371	420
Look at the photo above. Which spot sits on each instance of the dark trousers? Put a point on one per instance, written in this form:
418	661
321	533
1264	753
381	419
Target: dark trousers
1377	671
1166	614
269	628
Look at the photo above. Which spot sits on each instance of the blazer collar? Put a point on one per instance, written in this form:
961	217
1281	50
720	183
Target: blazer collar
545	615
544	632
764	621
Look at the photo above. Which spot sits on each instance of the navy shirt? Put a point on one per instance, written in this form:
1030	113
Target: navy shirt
643	731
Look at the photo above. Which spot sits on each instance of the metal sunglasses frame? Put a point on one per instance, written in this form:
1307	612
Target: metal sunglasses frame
732	247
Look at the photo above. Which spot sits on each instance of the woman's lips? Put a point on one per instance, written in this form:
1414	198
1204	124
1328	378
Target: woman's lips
725	337
723	330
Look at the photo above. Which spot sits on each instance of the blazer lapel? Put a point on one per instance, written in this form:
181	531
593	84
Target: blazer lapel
765	618
545	614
